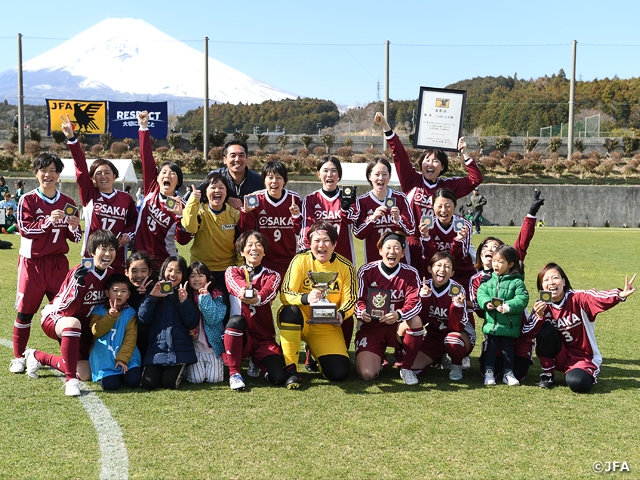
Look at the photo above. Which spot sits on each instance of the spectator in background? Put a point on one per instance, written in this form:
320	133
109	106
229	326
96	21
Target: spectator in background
19	190
477	203
3	186
7	202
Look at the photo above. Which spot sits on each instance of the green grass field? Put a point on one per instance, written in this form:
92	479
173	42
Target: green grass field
381	429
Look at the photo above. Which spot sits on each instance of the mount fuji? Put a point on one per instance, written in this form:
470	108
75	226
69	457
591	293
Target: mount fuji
130	60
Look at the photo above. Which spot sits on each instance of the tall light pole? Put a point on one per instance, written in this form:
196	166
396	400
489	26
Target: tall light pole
205	127
386	90
572	95
20	99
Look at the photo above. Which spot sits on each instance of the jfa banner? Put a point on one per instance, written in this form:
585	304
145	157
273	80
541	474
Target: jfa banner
89	117
123	118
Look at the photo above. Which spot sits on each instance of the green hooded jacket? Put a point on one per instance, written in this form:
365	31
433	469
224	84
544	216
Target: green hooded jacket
512	290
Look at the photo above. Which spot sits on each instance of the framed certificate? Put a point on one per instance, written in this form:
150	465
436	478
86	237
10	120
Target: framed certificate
3	216
440	115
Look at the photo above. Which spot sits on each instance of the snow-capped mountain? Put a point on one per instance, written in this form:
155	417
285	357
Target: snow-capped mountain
126	60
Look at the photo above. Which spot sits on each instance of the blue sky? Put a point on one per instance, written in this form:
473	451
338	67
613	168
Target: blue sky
335	49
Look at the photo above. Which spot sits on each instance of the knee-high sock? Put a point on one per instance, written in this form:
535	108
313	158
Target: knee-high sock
347	330
290	342
411	342
53	361
548	364
70	351
21	332
233	349
454	346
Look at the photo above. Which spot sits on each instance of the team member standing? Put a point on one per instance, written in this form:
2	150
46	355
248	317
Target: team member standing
566	338
372	217
250	331
42	264
277	216
420	185
376	334
158	226
326	342
66	318
104	207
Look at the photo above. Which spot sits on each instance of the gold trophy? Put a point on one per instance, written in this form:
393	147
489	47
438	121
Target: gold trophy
249	292
323	311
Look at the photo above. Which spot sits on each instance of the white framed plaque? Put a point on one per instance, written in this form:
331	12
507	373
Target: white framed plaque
440	115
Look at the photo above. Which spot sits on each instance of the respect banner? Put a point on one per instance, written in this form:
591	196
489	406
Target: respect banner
123	118
87	116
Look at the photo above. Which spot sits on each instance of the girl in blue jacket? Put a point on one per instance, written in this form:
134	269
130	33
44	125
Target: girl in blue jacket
503	297
170	314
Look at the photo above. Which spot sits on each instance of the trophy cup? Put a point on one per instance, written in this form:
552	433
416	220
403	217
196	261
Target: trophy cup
323	311
248	270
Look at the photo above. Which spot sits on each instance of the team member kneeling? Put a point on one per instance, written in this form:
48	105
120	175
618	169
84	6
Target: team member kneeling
376	334
325	341
67	318
250	331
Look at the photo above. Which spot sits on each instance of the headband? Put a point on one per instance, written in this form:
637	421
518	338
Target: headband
318	231
393	236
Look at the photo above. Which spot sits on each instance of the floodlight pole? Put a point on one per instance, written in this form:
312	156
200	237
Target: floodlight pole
205	127
572	95
20	99
386	90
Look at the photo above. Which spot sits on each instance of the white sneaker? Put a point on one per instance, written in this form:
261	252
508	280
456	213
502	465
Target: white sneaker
18	365
510	379
408	376
253	370
33	365
489	379
456	373
466	363
236	382
72	388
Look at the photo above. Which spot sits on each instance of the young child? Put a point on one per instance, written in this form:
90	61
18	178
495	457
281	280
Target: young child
42	265
207	336
114	357
250	331
169	316
503	298
138	271
66	318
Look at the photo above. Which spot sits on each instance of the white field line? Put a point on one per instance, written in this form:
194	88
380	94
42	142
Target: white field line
113	453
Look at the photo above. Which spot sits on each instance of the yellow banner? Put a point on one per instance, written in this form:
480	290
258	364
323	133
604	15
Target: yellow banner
89	117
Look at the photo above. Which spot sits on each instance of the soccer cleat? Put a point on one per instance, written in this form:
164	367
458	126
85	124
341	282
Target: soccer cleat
236	382
253	370
489	379
33	365
547	381
18	365
510	379
466	363
72	388
294	380
408	376
456	373
311	364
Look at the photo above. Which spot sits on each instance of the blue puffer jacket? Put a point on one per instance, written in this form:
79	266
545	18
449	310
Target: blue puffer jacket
512	290
169	323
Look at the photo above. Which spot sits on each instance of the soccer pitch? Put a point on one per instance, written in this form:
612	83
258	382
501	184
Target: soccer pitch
356	429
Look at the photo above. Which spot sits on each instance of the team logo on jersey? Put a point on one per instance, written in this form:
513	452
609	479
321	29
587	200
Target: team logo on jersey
263	212
317	206
374	284
38	211
228	226
370	212
100	199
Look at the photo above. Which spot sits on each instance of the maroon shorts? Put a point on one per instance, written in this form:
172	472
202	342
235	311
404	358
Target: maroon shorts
566	362
433	347
376	339
258	350
38	277
86	337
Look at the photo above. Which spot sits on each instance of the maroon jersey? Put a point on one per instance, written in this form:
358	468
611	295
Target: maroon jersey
158	228
371	230
574	317
403	284
441	316
259	316
40	237
317	206
275	222
75	300
419	191
115	212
